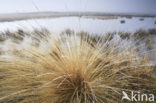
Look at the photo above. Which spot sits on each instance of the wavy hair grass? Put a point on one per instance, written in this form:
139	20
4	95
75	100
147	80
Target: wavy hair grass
72	69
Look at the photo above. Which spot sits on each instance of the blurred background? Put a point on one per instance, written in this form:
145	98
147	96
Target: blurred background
93	16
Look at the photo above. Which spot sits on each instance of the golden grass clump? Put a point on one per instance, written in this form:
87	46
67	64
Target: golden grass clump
72	69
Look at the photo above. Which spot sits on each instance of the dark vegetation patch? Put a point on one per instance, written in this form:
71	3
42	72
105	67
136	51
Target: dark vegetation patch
122	21
141	19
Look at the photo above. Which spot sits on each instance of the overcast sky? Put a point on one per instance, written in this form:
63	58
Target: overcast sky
134	6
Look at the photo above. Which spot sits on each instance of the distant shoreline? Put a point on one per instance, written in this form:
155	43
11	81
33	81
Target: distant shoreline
36	15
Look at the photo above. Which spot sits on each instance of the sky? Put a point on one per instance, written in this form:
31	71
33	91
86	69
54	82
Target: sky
122	6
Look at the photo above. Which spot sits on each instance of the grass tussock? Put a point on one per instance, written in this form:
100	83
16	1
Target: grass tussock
71	69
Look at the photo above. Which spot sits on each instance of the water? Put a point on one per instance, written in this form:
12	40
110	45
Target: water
90	25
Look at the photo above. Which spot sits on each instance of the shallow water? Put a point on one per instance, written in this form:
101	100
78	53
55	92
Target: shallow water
86	24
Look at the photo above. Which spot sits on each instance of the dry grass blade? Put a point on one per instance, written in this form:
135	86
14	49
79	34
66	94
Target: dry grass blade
72	69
